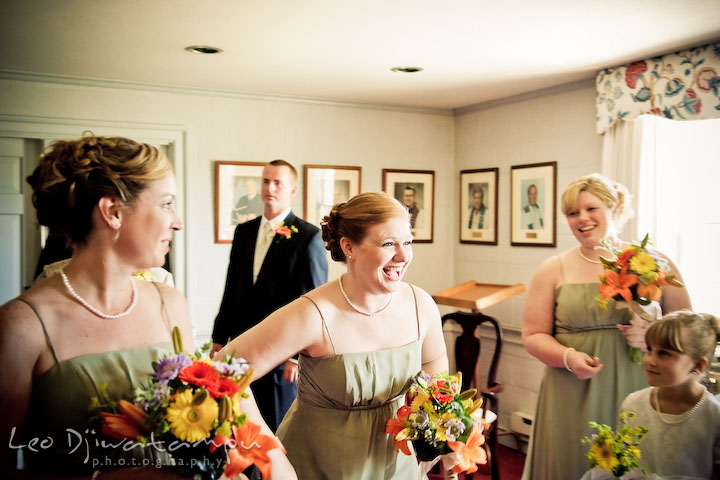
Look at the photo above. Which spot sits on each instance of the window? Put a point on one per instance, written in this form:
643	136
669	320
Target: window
678	200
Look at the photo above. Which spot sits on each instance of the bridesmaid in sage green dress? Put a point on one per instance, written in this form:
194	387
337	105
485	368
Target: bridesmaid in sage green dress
589	371
92	323
361	340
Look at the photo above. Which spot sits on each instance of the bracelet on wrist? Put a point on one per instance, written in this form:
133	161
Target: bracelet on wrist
565	358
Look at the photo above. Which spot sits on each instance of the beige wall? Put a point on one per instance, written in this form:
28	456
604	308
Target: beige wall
551	125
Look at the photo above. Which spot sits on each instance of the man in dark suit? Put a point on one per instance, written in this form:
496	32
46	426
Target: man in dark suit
274	259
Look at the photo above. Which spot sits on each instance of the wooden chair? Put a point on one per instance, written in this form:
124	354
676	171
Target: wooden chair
467	355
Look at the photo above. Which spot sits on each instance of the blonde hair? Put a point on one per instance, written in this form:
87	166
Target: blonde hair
685	331
352	219
73	175
613	194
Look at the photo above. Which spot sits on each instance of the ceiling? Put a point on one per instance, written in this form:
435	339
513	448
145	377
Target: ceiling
472	51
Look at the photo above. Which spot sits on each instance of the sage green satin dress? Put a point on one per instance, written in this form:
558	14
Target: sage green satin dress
566	404
60	435
335	429
60	410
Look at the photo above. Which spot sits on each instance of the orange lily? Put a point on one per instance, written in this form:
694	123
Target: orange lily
397	425
134	412
618	283
117	426
250	447
129	424
470	453
393	427
625	257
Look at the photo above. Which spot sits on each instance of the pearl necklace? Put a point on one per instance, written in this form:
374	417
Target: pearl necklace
94	310
358	309
682	417
586	258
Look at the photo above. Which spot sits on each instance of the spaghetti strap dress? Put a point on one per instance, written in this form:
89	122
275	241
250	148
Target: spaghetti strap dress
335	429
565	403
60	420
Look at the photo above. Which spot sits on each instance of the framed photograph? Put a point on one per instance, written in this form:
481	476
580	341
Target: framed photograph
237	196
416	190
326	185
533	204
479	206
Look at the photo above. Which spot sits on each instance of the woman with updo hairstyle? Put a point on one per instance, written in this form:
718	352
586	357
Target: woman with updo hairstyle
361	339
92	326
585	348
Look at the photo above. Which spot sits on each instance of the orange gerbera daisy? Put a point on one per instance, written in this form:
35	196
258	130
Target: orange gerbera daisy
224	387
200	374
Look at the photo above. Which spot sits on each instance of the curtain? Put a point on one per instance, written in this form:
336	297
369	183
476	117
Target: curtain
621	152
683	86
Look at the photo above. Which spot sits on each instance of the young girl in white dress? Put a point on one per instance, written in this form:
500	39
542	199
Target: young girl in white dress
682	417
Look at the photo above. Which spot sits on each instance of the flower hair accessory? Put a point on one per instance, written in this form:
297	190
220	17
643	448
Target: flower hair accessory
285	231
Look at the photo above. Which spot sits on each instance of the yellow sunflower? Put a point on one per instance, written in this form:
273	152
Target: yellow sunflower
190	422
643	264
604	456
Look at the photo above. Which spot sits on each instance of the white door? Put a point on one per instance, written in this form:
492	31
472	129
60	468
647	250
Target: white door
11	218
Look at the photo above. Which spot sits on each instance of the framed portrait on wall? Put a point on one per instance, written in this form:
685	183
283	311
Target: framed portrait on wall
326	185
416	190
533	204
479	206
237	196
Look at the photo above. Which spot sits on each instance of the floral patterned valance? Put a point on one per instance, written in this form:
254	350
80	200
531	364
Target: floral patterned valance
681	86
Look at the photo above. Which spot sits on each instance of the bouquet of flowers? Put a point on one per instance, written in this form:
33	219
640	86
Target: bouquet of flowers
191	405
618	453
635	277
437	418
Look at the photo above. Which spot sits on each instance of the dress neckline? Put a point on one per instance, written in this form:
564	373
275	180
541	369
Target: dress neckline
85	356
369	352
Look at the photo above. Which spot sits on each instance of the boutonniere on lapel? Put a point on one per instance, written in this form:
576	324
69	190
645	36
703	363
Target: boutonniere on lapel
285	231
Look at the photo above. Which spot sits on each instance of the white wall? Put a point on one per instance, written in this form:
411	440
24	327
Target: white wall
256	129
552	125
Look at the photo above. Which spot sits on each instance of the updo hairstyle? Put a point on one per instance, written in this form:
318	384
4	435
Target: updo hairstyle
687	332
613	194
73	175
352	219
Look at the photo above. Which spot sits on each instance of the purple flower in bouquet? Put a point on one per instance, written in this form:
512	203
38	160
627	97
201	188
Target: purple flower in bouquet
455	428
168	368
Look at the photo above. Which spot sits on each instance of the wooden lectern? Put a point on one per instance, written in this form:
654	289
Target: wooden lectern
475	296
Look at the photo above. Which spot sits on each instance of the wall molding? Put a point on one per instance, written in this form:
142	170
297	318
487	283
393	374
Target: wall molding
565	87
152	87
